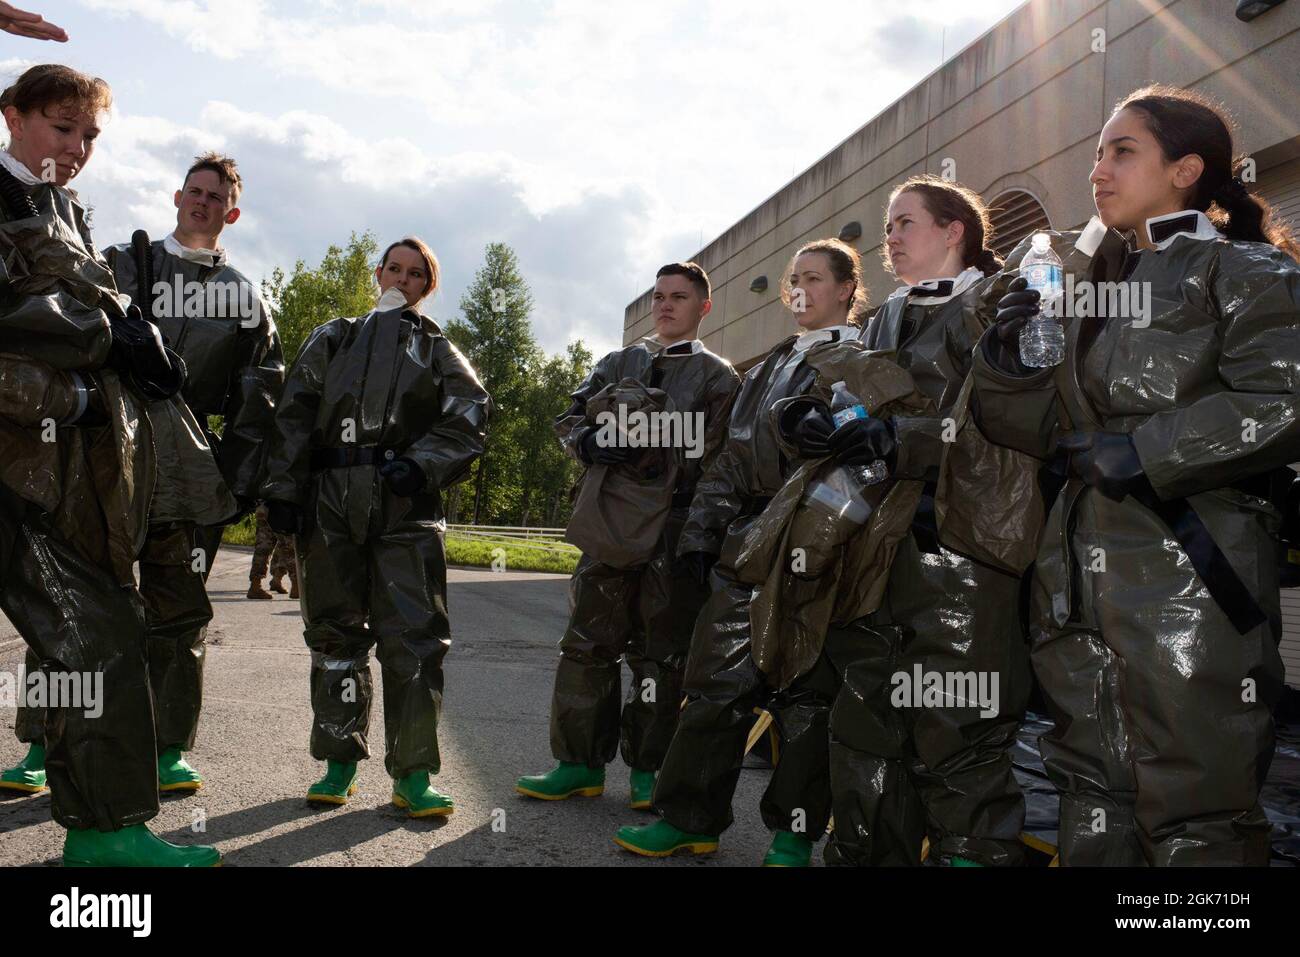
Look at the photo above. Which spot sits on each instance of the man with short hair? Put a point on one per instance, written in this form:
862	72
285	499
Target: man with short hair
215	319
641	610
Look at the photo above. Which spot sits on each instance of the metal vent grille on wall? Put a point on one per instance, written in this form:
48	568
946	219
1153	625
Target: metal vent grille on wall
1281	187
1015	214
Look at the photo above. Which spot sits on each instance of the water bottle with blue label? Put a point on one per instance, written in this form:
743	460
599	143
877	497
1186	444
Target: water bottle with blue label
1042	340
845	407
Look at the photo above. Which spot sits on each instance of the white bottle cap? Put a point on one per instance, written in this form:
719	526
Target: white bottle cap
1041	242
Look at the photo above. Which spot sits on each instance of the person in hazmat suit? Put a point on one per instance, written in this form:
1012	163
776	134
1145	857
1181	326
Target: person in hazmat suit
637	602
379	415
78	363
215	319
723	684
900	772
1172	419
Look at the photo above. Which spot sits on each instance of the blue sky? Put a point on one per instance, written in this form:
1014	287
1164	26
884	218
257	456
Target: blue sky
598	139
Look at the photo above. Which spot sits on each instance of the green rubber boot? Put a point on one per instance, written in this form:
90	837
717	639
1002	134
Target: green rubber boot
339	783
661	839
175	773
419	797
133	846
562	781
643	788
788	850
28	775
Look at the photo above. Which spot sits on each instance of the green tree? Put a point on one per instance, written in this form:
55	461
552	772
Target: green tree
546	473
497	338
342	285
523	476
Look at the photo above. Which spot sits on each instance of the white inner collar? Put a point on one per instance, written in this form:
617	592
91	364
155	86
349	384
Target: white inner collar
19	169
696	345
206	257
809	339
1204	229
960	283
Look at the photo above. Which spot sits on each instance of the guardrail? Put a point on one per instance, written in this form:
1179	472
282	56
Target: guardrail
535	539
510	531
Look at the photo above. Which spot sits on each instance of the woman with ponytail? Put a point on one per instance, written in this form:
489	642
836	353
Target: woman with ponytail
1156	607
379	416
898	773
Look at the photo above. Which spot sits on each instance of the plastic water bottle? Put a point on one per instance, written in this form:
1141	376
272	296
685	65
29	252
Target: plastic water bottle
1042	340
845	407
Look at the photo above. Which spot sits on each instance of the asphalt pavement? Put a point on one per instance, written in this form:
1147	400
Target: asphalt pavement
252	748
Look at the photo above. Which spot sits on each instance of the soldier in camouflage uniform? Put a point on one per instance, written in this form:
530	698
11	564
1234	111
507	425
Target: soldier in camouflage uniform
277	551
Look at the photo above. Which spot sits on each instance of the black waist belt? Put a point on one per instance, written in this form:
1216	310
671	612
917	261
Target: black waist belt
754	505
349	457
925	527
1272	485
1217	574
1212	566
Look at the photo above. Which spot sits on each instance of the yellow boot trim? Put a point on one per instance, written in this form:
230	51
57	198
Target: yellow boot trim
429	812
590	792
697	847
24	788
331	798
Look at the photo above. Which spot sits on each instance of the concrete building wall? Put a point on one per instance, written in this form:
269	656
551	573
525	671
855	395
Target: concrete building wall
1019	108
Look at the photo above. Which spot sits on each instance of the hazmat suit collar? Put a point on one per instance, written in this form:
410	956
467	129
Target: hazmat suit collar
688	347
1163	230
18	169
417	319
935	291
204	257
807	340
394	300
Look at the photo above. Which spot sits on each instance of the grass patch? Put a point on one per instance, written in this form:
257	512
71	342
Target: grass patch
243	532
465	550
461	550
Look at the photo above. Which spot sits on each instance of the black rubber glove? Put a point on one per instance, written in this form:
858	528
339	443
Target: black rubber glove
697	566
403	476
284	517
1017	307
863	441
593	453
1108	462
806	423
247	506
138	353
1291	514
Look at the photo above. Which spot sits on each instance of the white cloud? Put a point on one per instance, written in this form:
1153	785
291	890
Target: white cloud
640	130
310	183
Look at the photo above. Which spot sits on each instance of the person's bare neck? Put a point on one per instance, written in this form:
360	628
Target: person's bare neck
191	240
950	268
1140	230
839	319
687	336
